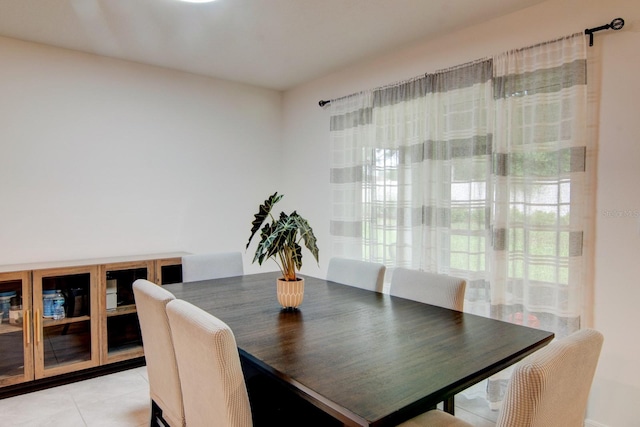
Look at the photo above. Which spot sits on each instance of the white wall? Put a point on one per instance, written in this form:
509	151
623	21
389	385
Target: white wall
616	389
100	157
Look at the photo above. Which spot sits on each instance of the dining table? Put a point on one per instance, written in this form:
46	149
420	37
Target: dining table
365	358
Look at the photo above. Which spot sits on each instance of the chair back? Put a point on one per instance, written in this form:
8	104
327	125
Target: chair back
213	385
162	369
429	288
361	274
551	386
207	266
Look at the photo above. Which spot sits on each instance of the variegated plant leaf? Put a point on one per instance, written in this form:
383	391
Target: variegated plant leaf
263	212
306	232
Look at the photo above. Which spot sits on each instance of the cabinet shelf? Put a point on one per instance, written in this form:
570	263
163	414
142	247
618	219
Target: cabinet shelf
46	322
122	310
7	328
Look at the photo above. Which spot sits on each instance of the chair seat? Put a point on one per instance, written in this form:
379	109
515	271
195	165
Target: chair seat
435	418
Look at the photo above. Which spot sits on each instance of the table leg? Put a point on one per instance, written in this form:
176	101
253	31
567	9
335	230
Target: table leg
449	405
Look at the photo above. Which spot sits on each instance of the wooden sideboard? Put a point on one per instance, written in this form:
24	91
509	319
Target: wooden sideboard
100	328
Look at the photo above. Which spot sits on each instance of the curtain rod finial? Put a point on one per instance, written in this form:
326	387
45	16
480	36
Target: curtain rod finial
323	103
617	24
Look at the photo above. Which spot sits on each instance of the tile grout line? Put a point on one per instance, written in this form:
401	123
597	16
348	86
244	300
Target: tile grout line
79	411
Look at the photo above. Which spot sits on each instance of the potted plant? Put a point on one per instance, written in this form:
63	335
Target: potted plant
280	240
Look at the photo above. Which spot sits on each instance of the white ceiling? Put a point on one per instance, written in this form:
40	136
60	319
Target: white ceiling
276	44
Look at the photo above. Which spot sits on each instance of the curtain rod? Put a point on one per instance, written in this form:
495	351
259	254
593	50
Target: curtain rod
616	24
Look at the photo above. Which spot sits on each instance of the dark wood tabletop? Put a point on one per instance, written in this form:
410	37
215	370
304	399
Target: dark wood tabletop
363	357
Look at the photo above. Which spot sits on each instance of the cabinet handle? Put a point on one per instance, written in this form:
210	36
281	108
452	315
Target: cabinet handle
38	328
27	325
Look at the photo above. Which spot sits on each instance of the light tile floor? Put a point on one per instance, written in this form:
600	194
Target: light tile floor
122	400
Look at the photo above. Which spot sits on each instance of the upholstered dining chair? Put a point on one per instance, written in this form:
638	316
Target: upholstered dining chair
162	369
207	266
429	288
361	274
548	388
213	386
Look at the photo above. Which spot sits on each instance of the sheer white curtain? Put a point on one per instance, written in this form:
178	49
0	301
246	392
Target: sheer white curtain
480	172
410	172
540	206
352	138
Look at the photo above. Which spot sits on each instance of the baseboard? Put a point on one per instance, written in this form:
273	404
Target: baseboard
591	423
36	385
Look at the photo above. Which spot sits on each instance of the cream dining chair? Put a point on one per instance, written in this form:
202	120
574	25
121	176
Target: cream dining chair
162	369
361	274
548	388
213	386
207	266
429	288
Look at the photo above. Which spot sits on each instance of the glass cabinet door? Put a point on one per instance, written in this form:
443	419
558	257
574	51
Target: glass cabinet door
16	333
65	320
168	271
121	334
